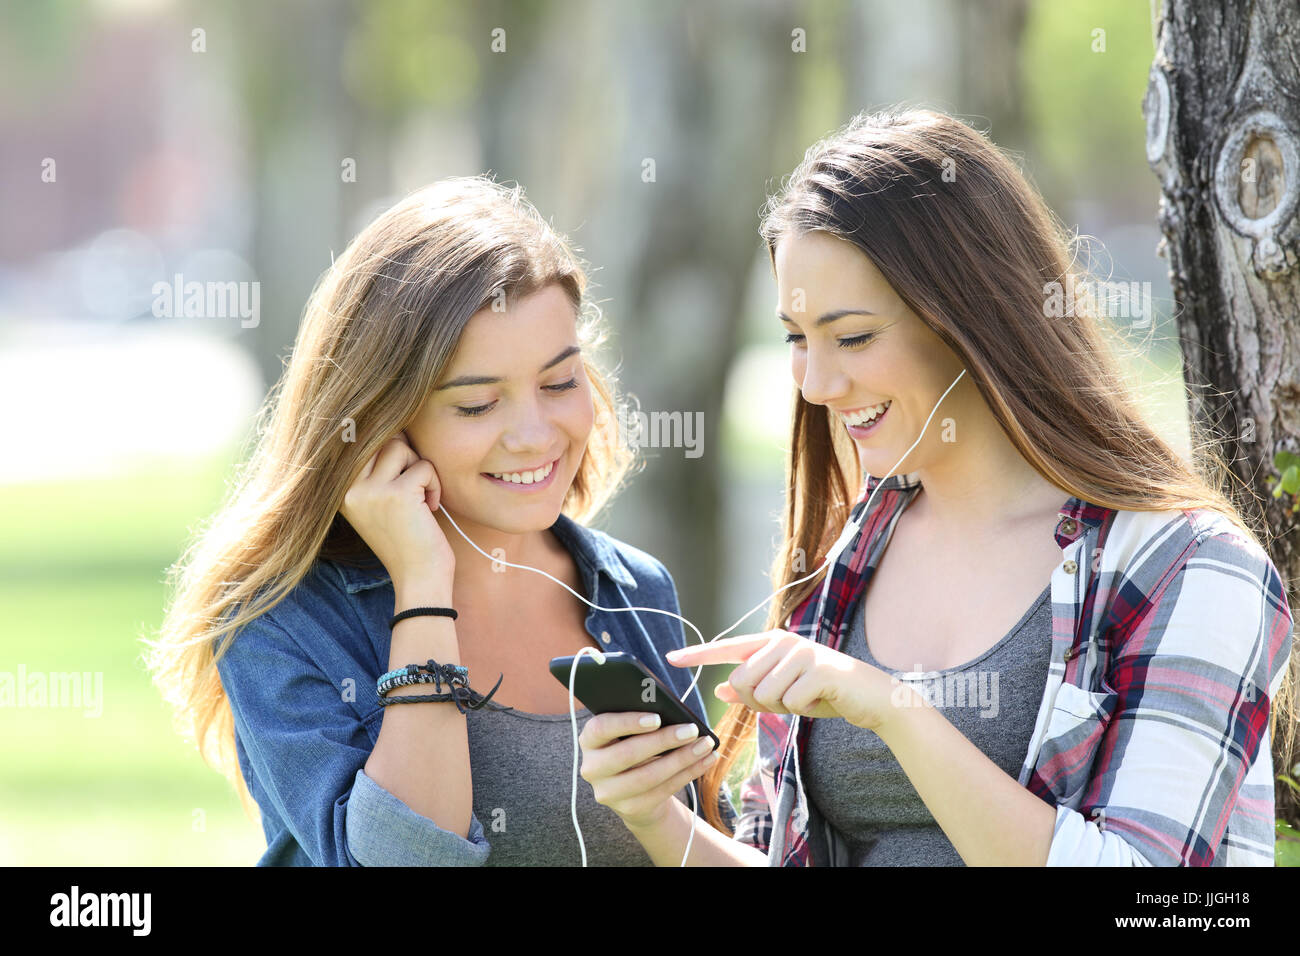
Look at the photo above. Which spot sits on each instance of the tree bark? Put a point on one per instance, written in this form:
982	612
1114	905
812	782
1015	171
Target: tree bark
1222	114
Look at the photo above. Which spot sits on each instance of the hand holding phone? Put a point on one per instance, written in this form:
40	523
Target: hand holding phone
635	768
624	684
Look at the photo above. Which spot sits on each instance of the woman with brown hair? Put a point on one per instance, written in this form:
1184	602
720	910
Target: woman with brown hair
1044	637
337	645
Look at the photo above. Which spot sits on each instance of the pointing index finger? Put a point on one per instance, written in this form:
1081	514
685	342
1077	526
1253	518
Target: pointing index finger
733	650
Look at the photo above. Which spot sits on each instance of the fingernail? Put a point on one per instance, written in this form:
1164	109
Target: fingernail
673	655
703	747
650	720
687	731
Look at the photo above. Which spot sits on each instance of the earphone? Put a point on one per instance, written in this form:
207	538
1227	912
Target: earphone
851	530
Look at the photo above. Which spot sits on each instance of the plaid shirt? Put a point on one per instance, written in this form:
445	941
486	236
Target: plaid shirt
1170	634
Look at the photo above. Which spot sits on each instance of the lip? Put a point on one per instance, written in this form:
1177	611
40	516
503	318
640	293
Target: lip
859	431
535	486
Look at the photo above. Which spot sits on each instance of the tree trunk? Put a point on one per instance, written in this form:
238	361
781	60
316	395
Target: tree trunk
1222	114
991	82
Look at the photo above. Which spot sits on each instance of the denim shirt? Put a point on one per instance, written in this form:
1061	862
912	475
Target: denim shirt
301	683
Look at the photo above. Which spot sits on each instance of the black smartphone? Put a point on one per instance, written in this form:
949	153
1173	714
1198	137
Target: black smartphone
623	683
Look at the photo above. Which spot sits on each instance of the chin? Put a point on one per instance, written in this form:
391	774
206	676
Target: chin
521	519
521	524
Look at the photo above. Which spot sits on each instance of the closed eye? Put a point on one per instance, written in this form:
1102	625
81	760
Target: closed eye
472	410
846	343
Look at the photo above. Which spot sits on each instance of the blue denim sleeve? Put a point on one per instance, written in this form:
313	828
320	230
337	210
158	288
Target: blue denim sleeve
306	746
384	831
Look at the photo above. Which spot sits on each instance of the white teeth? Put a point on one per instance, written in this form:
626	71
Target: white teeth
866	414
525	477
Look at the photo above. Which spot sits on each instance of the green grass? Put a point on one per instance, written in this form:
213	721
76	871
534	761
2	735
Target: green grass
82	569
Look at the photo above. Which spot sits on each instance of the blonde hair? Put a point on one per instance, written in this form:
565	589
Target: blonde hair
970	255
377	332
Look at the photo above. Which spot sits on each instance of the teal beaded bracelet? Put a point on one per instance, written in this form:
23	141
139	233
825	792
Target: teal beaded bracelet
430	672
412	669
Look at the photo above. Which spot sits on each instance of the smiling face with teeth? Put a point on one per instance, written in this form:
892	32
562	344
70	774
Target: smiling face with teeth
507	424
857	348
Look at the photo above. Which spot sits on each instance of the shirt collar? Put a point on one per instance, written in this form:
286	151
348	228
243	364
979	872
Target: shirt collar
594	552
1074	514
903	482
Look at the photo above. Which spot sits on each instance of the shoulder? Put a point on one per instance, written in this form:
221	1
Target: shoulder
1224	553
315	610
643	565
622	561
1176	538
1206	582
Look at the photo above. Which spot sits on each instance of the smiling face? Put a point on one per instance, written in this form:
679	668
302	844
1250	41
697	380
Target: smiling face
514	401
854	345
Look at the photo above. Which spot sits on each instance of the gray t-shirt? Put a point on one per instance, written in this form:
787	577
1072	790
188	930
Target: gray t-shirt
858	785
522	764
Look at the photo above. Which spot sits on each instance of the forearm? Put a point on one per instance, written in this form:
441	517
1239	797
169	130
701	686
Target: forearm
421	755
665	842
989	817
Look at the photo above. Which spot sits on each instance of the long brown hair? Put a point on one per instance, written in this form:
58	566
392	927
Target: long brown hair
970	246
376	334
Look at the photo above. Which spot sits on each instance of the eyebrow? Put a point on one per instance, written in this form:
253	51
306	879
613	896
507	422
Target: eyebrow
828	317
464	380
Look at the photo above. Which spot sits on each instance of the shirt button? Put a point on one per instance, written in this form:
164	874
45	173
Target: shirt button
1070	654
604	636
1071	567
1068	526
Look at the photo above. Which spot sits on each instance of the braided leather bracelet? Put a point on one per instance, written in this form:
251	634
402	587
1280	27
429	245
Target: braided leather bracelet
455	676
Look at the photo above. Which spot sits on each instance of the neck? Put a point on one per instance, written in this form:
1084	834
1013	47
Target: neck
987	487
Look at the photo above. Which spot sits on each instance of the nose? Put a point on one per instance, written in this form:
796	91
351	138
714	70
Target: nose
530	432
822	382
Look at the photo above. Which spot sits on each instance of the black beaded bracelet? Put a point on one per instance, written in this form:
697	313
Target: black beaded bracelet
430	611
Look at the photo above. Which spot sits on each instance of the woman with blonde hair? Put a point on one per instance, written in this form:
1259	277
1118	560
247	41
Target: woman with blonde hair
1044	638
336	644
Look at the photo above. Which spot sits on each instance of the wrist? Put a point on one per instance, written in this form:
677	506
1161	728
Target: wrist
902	702
421	591
642	826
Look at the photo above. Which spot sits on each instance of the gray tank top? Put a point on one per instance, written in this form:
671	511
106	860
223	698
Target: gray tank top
522	765
859	787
